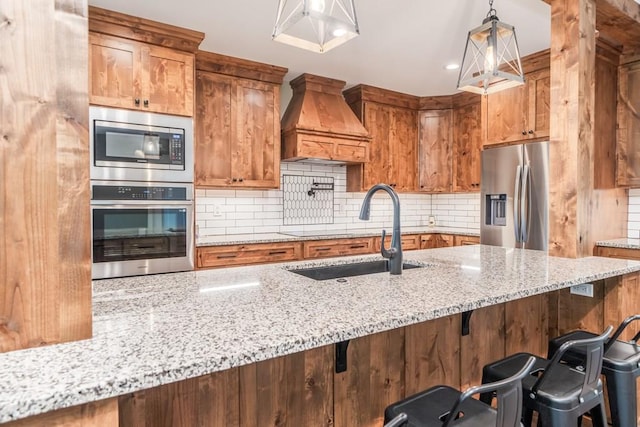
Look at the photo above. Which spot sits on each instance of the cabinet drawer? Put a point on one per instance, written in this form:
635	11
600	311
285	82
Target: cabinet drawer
465	240
623	253
225	256
410	242
338	247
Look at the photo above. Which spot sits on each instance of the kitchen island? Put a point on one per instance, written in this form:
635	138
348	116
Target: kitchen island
155	330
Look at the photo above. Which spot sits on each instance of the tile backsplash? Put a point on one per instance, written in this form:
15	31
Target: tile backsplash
220	212
633	230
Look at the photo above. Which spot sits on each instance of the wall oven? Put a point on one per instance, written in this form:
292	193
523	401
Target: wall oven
139	146
141	228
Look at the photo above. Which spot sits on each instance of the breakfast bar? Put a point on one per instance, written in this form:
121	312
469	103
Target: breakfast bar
151	331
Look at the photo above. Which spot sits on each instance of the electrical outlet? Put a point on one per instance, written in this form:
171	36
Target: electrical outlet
217	210
585	289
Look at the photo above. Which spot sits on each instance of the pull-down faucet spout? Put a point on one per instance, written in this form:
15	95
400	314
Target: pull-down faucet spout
394	253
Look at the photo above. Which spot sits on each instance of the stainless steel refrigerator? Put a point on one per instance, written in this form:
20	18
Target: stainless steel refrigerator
515	194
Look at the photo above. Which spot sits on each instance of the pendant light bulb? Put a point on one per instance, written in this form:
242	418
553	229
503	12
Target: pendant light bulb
317	5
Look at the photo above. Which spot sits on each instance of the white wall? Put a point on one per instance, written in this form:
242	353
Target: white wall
634	214
220	212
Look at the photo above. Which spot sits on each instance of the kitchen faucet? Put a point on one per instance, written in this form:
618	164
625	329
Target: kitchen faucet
394	253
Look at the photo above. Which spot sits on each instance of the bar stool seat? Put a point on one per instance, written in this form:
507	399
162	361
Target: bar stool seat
444	406
620	366
560	393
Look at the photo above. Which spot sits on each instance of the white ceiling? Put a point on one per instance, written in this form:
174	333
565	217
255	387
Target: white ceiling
403	44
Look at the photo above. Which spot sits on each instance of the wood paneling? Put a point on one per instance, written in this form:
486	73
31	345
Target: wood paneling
484	344
432	354
373	380
435	151
467	143
619	20
527	327
294	390
143	30
580	312
210	400
237	132
45	265
604	125
103	413
628	146
257	253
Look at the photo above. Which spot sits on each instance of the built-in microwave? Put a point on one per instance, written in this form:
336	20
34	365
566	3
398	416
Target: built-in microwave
139	146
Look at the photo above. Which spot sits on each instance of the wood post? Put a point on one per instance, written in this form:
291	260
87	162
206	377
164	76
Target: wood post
45	266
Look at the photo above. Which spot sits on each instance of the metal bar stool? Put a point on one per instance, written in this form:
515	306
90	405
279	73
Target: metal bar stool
559	392
620	366
443	406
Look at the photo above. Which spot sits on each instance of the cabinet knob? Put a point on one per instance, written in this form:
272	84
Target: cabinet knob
234	180
146	102
524	132
241	180
137	101
531	131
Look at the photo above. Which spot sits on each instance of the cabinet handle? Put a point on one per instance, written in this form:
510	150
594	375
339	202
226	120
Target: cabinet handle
393	185
524	132
234	180
357	246
146	102
226	256
137	101
531	131
277	252
241	180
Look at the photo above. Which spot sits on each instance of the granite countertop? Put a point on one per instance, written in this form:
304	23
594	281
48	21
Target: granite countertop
242	239
620	243
152	330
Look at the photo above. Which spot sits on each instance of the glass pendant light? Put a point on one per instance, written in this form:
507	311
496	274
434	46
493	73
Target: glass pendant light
491	60
315	25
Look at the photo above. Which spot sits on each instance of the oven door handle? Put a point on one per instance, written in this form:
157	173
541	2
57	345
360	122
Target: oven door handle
142	203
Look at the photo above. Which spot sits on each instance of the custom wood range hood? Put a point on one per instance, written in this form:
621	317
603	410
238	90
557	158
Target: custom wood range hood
319	125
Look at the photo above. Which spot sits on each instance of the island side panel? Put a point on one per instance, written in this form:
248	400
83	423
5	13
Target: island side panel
527	325
432	351
103	413
580	312
374	378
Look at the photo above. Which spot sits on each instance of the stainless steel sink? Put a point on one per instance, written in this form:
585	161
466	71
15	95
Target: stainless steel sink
349	270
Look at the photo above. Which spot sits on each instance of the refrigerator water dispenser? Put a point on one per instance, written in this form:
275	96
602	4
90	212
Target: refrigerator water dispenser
496	209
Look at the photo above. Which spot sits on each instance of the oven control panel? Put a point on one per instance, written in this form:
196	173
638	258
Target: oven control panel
132	192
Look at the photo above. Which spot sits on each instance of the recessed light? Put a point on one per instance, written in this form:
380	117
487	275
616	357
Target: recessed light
451	66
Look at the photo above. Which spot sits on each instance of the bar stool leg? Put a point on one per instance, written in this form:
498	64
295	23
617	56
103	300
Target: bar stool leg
557	419
598	417
622	398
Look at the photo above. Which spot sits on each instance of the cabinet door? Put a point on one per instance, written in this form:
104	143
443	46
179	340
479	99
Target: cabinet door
255	152
403	139
539	86
506	115
444	240
428	241
628	144
377	120
467	143
213	129
169	81
115	71
435	151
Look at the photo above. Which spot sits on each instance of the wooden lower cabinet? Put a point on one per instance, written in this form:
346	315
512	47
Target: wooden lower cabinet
465	240
337	247
527	325
410	242
623	253
103	413
431	241
258	253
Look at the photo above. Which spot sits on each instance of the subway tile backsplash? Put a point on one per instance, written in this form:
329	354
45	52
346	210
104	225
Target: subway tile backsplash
220	212
633	230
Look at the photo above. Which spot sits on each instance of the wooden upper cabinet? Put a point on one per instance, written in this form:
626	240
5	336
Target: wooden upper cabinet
392	121
467	144
628	135
520	113
139	64
435	150
138	76
237	127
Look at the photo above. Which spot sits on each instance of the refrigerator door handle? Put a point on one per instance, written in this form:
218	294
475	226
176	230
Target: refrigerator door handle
516	204
525	203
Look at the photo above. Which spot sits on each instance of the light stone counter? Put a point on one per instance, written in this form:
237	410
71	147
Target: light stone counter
245	239
157	329
620	243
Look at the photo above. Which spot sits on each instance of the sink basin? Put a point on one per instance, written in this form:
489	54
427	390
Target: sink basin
348	270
